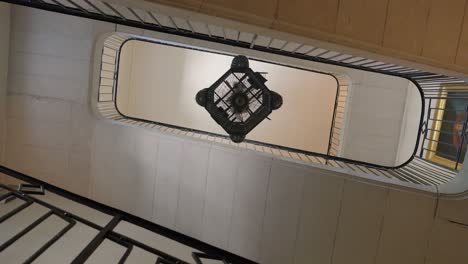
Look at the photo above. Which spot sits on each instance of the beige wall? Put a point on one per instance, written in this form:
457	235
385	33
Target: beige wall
377	123
428	32
261	208
4	52
49	122
162	82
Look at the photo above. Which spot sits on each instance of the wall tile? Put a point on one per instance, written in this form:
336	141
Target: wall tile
143	178
352	23
319	15
450	209
319	218
448	243
82	124
43	86
406	25
192	188
38	134
113	149
407	225
258	12
32	20
43	163
38	108
462	52
282	214
249	205
220	186
443	30
51	67
360	223
52	45
166	188
77	177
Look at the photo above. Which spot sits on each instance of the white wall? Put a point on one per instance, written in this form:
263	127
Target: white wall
376	114
4	52
410	126
160	82
268	210
49	123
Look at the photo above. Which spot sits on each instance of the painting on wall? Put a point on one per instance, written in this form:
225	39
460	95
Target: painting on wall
446	144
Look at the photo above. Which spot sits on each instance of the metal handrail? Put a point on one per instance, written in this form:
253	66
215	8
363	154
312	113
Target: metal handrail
103	232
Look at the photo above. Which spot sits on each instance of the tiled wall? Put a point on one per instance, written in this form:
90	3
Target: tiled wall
4	51
49	123
433	32
268	210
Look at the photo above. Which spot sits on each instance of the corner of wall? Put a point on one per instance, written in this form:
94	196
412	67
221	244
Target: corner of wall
5	11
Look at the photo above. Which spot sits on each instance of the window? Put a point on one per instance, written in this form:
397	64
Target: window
447	133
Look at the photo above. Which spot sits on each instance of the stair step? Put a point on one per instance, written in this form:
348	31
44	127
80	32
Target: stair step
88	213
139	255
9	206
107	252
29	243
156	241
69	246
20	221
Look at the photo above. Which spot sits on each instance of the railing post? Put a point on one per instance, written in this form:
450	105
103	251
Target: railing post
463	134
426	129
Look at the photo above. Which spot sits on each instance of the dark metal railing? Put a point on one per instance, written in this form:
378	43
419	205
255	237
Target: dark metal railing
338	120
445	147
31	197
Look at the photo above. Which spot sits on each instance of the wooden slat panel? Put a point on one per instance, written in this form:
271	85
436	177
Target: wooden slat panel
443	30
362	19
406	25
318	14
462	54
259	12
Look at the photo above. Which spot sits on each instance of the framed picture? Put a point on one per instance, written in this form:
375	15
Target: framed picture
446	144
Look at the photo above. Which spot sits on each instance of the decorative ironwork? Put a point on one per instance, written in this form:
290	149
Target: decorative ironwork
239	100
30	194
